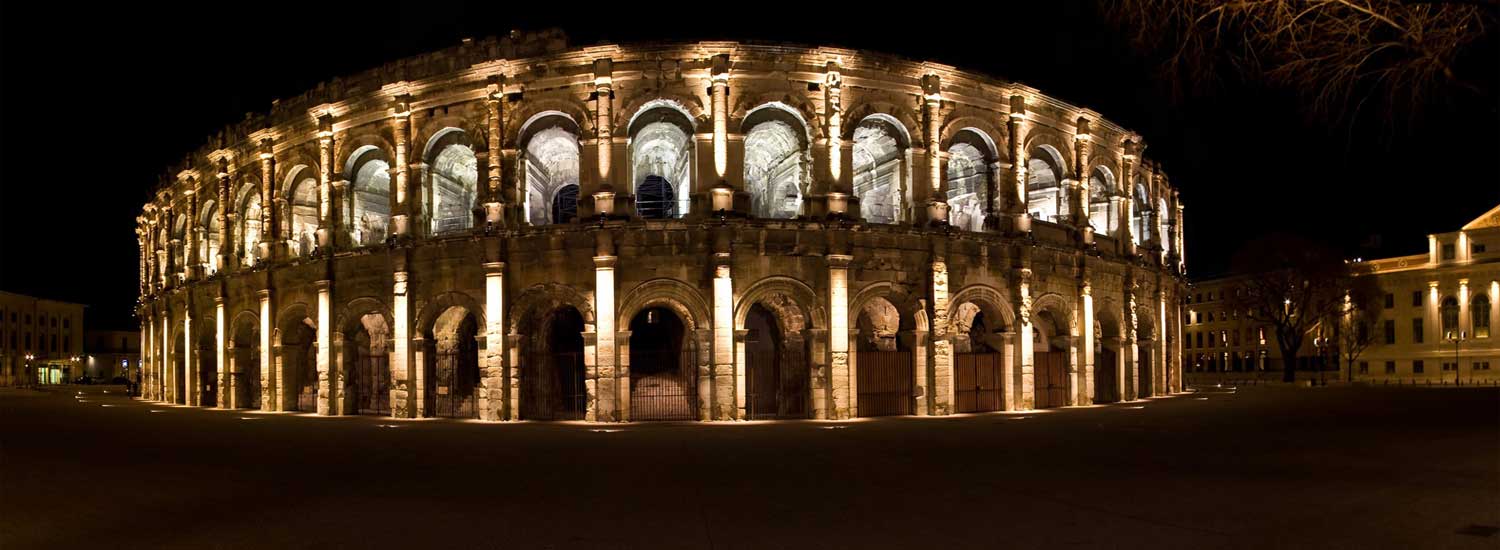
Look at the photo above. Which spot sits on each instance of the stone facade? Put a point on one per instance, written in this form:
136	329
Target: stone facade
515	229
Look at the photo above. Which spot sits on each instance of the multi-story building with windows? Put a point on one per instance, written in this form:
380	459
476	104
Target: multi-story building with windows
111	353
41	340
1434	321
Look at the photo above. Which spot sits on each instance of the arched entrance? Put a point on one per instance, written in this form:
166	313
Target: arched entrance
883	362
208	368
977	366
179	370
299	364
776	377
663	367
452	376
552	386
245	364
1145	338
369	383
1050	359
1106	361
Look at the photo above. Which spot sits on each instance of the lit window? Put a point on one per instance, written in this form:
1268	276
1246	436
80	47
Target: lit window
1479	312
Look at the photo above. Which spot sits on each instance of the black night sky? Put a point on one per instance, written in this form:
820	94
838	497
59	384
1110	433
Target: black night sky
94	106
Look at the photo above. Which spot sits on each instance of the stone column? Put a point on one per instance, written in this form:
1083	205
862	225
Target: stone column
920	364
339	376
726	380
192	268
1159	366
226	233
495	199
268	401
269	232
1016	127
400	359
613	387
512	376
401	211
1027	359
1126	212
1078	192
843	382
836	185
719	103
327	223
221	365
1132	350
932	117
1008	371
1085	378
622	339
942	346
492	382
148	355
166	370
325	346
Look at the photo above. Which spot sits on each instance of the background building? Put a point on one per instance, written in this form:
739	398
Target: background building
111	353
1434	324
41	341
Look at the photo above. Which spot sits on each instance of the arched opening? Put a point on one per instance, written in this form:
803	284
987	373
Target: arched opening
551	163
208	241
775	162
969	161
369	385
776	374
978	365
207	357
1046	200
369	202
453	186
1144	367
552	386
1050	359
179	244
452	365
880	177
244	369
661	160
248	229
1140	220
179	370
663	367
1107	361
1163	224
298	355
1101	209
1479	313
302	218
883	361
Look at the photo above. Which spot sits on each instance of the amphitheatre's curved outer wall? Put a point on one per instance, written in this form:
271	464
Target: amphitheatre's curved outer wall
396	213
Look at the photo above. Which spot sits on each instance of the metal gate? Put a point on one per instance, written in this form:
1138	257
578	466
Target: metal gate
1143	368
247	381
776	383
451	389
664	394
1106	387
208	379
1051	374
372	384
976	382
553	388
885	382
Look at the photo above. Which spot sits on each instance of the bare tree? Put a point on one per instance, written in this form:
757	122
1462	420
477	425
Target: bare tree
1354	330
1339	54
1292	285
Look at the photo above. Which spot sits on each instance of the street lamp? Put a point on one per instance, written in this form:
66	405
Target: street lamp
1322	344
1457	337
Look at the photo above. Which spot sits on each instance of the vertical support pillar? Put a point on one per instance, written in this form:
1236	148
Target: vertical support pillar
719	92
325	346
1008	371
1085	388
494	206
942	345
148	363
932	115
1131	382
742	410
327	223
226	233
222	379
401	212
1127	236
492	382
613	387
842	389
1016	126
268	401
1160	365
401	349
1079	191
726	380
1027	359
338	377
622	340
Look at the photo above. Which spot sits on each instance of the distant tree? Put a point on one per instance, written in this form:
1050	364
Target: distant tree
1292	285
1355	322
1339	54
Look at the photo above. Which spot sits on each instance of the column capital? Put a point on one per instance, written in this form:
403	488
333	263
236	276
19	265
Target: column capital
839	261
605	262
494	268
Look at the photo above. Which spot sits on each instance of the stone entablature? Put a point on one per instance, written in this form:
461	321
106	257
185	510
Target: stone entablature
484	189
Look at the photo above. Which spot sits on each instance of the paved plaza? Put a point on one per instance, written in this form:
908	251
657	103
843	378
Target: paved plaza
1336	467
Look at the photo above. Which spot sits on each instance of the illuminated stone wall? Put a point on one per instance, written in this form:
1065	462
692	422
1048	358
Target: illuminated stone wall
670	213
